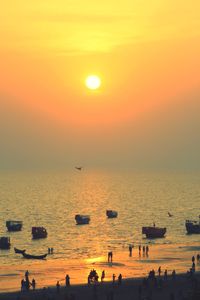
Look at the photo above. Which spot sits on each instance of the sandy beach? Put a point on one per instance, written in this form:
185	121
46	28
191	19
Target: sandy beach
133	269
182	288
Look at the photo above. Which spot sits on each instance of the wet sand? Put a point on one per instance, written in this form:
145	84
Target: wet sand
48	272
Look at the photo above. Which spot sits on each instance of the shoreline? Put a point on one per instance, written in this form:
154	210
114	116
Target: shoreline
48	272
129	289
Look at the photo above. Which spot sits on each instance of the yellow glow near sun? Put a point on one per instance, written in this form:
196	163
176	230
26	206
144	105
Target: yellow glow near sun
93	82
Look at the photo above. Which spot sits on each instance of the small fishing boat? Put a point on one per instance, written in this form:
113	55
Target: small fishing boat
39	232
19	250
5	243
82	219
192	226
29	256
153	232
111	214
14	225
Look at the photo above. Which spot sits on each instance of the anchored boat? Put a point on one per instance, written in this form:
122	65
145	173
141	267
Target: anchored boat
153	232
111	213
4	242
82	219
14	225
192	226
39	232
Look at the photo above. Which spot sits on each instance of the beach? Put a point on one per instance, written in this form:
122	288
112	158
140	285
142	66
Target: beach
133	269
182	288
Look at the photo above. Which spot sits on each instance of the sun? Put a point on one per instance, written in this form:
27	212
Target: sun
93	82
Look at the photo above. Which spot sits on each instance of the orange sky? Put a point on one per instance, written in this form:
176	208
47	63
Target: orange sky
146	53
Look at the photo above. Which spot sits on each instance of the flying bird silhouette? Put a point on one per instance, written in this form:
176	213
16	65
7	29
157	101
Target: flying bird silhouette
169	214
79	168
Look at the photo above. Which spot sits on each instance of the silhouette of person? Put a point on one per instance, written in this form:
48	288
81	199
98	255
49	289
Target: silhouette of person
120	279
130	250
67	280
33	283
111	256
58	287
159	271
113	278
102	276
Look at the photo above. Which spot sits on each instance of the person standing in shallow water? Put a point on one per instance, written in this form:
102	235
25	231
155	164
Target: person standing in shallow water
130	250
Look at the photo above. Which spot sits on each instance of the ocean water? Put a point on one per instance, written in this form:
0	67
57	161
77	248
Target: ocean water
52	200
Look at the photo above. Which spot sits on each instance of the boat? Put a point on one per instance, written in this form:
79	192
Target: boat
82	219
30	256
154	232
111	213
39	232
5	242
19	250
192	226
14	225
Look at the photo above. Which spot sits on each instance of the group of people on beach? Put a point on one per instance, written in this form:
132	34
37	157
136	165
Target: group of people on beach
143	249
93	277
26	283
50	250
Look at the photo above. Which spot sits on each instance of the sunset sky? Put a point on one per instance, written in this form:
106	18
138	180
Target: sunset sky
146	114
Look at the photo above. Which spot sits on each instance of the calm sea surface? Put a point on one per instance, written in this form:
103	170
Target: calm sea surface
52	200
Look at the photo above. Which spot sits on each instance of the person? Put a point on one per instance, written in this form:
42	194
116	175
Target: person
193	266
88	279
67	280
111	256
102	276
143	250
130	250
33	284
22	285
154	225
147	250
173	274
193	259
165	274
49	250
113	278
27	275
120	279
58	287
139	248
159	271
198	257
52	250
96	278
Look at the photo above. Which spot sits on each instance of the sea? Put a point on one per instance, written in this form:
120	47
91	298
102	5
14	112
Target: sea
52	199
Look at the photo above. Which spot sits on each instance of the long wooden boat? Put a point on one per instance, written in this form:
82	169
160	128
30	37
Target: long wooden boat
19	250
30	256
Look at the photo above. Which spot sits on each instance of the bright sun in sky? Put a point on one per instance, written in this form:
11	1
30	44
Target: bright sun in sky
93	82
